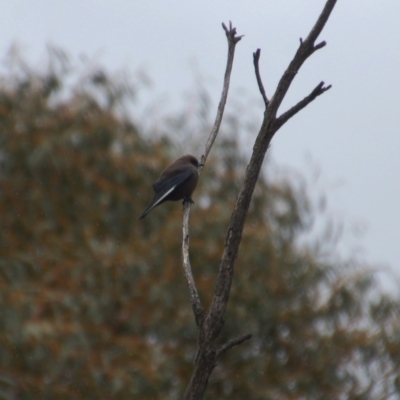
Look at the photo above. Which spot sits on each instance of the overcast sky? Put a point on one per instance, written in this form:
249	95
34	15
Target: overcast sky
351	132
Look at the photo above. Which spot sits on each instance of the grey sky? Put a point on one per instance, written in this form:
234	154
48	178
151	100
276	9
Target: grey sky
352	131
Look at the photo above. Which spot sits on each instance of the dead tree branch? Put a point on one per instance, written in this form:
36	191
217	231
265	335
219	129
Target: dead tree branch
306	49
232	41
232	343
320	89
198	309
256	60
213	320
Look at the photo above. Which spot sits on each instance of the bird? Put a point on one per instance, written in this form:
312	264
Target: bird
176	182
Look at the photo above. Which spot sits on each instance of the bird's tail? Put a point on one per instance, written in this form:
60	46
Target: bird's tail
157	200
146	211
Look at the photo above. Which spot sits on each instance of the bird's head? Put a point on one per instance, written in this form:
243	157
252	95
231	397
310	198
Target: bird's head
193	160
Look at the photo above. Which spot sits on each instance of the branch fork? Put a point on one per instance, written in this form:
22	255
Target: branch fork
210	322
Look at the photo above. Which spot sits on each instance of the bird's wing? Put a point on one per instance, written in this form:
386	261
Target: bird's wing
166	184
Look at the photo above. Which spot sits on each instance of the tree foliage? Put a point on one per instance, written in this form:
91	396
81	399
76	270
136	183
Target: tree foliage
93	302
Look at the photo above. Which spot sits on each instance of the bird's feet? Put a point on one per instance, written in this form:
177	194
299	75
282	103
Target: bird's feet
187	200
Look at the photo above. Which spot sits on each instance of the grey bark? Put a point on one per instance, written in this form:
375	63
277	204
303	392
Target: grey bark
211	322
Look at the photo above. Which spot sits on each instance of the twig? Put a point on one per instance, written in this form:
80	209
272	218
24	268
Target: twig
256	59
301	104
234	342
319	46
232	41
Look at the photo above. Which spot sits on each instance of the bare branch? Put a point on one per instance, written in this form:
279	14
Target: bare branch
206	354
232	40
231	33
256	59
301	104
305	50
319	46
234	342
198	309
321	21
215	317
196	304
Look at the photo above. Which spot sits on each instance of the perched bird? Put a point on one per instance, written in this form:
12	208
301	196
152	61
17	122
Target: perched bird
176	182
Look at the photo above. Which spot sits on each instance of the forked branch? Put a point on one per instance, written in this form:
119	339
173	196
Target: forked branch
306	49
215	317
213	321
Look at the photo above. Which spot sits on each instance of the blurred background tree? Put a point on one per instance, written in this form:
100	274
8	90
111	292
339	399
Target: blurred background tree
93	302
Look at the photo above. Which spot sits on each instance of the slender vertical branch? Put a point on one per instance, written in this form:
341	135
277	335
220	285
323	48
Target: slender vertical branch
198	310
196	304
205	359
232	41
